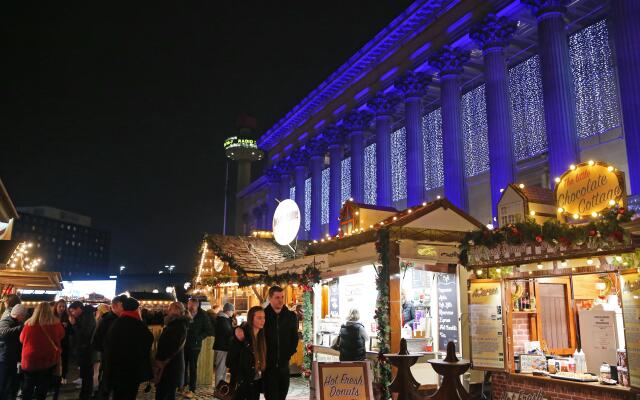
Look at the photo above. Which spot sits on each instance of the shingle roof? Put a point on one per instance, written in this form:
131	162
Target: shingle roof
537	194
253	254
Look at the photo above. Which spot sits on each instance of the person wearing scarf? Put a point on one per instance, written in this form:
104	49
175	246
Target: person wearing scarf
127	352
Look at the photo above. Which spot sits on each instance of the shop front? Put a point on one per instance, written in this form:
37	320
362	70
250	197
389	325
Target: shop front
400	273
553	304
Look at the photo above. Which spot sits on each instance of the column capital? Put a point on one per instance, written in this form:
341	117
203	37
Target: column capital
413	84
493	31
449	60
542	7
357	120
317	146
284	166
334	135
273	175
299	158
383	104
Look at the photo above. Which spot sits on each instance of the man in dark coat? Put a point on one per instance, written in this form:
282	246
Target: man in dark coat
83	323
171	351
10	351
224	332
99	341
127	352
199	328
281	331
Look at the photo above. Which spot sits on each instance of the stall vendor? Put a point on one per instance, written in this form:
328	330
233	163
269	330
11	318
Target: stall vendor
408	310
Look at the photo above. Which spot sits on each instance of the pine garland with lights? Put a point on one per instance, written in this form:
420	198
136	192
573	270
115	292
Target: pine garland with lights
382	369
602	232
307	333
306	279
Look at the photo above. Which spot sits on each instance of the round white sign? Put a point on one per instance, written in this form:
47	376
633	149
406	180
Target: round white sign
286	222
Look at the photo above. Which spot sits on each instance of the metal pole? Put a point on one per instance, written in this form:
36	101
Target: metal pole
226	194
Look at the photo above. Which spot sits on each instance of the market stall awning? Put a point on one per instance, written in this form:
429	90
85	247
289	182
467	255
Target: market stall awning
7	209
252	254
7	247
36	280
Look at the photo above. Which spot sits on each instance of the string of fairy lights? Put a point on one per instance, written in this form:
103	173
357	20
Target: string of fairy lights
432	140
21	258
345	181
474	132
370	181
324	215
399	164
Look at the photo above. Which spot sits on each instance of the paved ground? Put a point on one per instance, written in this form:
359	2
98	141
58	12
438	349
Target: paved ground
299	390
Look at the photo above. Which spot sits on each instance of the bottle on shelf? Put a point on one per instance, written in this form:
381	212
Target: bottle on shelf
532	303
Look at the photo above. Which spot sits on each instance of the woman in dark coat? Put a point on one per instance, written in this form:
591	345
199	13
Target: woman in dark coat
126	353
171	352
352	339
247	359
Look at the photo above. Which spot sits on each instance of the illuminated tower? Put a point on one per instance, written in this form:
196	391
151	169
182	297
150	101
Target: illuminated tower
243	150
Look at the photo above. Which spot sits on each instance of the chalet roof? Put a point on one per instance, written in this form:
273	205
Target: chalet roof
253	254
535	194
372	207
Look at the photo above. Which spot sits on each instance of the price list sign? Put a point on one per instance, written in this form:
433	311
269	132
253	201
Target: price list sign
487	331
448	327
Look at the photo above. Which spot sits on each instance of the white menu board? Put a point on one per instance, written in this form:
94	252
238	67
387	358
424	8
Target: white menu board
487	330
598	337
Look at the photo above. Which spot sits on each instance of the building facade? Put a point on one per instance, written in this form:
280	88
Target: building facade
65	241
459	99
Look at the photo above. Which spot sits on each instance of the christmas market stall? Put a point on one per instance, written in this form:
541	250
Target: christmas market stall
554	291
399	270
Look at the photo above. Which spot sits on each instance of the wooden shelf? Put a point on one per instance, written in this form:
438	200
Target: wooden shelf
524	312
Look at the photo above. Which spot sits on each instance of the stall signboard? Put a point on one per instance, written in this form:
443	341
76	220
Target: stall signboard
286	222
447	311
589	188
631	318
342	380
334	299
486	325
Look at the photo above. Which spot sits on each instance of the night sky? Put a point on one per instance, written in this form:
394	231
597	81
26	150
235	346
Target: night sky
118	110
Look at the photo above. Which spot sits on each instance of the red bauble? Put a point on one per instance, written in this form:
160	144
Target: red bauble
539	238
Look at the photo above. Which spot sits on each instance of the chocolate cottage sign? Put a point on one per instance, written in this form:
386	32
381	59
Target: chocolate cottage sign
589	188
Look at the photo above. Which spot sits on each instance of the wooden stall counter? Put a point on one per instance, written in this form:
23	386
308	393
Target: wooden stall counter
506	385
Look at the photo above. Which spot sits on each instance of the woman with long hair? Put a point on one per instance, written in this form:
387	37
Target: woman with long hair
247	359
59	309
101	310
41	348
169	363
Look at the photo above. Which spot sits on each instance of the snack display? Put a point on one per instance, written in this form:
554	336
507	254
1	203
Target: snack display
572	376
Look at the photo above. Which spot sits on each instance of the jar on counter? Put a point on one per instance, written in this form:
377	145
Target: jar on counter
605	371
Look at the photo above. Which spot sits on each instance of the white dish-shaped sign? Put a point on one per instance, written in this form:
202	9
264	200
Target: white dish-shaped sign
286	222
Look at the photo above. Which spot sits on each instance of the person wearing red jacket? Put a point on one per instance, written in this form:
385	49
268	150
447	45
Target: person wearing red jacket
41	345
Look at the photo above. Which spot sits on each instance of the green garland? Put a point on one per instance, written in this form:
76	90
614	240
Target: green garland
309	277
226	257
307	333
606	228
382	369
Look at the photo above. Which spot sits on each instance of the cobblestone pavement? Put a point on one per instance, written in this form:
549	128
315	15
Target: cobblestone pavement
299	390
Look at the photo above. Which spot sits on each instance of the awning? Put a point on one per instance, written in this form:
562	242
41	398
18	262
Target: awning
7	247
39	280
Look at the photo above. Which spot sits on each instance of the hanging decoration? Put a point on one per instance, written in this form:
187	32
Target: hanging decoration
382	369
554	236
307	333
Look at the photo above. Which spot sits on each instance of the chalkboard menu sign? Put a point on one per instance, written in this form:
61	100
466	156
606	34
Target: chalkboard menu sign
334	299
447	311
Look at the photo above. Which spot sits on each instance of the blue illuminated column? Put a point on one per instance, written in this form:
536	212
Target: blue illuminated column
317	147
335	138
449	61
626	14
257	217
383	106
264	223
299	160
284	167
273	179
493	34
414	86
356	123
557	85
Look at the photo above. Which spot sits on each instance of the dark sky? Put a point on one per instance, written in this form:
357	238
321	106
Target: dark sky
118	110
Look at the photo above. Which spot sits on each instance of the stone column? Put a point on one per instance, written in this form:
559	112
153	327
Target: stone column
557	85
493	34
414	86
317	149
449	62
284	167
273	177
356	123
626	14
299	160
383	106
335	138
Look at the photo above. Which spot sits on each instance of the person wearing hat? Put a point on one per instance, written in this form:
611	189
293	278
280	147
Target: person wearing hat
10	350
127	352
83	324
100	338
221	345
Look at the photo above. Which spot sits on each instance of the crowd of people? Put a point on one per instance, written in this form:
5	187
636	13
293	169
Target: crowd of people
111	345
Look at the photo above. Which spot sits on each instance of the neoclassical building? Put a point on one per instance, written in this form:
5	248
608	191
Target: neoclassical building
459	98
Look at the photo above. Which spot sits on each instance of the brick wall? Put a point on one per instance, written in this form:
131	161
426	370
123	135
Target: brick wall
551	389
521	332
